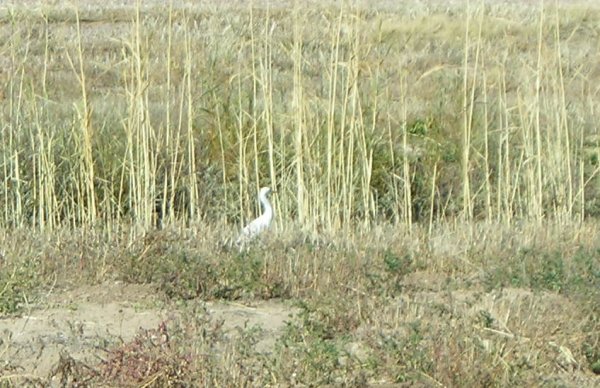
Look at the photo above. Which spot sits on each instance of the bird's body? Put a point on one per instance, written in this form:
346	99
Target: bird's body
261	223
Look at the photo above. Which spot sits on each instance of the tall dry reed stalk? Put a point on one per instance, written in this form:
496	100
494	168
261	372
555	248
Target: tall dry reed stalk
355	116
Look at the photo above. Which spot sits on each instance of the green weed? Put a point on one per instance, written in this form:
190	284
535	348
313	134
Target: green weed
19	286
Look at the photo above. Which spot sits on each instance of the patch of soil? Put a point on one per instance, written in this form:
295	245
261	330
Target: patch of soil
87	321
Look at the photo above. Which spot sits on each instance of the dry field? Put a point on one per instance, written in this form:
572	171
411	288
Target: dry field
437	209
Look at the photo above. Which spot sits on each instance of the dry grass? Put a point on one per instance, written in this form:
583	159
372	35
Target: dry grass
484	306
483	113
436	168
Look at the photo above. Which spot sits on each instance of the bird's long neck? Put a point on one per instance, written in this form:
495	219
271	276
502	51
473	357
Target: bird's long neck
266	205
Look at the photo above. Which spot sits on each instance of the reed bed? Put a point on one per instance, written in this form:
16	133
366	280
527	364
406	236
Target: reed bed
436	168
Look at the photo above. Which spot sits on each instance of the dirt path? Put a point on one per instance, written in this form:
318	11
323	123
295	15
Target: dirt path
86	321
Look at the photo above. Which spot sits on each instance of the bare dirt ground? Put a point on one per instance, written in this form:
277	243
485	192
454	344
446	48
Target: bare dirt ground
86	321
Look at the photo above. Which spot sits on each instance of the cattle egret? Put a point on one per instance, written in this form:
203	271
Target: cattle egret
261	223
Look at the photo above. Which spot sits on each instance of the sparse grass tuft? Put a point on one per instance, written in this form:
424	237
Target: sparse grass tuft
150	359
19	286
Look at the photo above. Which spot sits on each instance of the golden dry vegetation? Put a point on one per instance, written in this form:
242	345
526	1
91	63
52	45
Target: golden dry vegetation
436	168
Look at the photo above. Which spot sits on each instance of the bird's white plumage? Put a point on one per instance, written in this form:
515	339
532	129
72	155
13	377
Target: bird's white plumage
262	222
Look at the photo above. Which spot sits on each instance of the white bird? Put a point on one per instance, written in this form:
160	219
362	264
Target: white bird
261	223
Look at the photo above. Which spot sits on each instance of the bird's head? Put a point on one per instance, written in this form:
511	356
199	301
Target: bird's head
264	191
